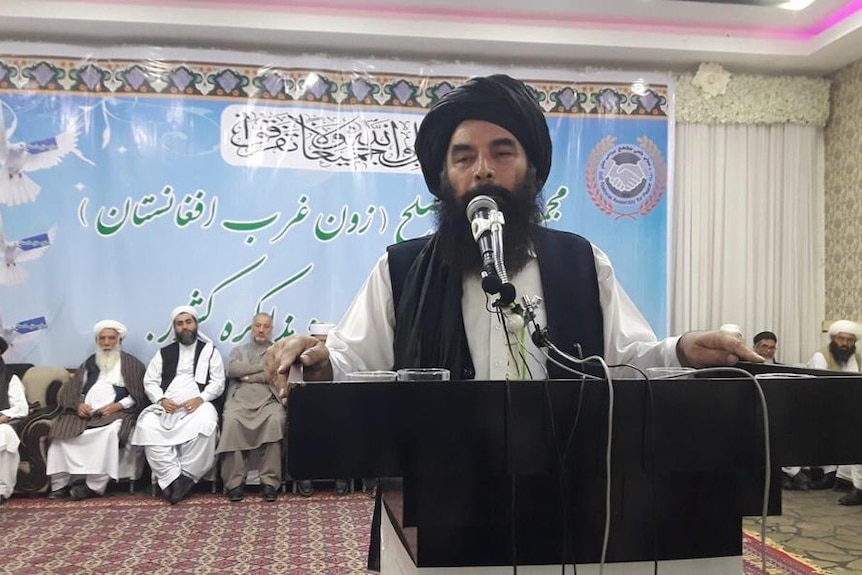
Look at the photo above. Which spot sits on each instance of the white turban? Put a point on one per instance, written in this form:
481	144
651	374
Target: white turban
110	324
191	311
845	326
184	309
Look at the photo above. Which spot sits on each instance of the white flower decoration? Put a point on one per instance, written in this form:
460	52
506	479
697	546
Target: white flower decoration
750	99
712	79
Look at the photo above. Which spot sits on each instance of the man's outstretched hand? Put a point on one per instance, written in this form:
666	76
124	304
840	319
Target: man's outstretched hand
713	348
310	352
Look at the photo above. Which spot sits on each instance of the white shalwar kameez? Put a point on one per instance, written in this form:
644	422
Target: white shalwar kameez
95	454
364	339
9	440
181	442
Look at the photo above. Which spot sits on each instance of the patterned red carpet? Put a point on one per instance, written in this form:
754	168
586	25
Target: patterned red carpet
132	534
204	534
778	562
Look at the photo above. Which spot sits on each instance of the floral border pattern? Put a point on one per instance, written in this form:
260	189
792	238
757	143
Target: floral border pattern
741	99
93	76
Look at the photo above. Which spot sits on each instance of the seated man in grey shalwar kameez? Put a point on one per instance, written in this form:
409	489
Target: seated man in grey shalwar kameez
253	420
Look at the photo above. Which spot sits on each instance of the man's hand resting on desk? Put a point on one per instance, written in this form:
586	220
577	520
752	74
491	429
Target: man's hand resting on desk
308	351
713	348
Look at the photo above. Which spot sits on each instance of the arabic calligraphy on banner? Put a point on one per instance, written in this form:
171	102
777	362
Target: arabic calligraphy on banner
298	139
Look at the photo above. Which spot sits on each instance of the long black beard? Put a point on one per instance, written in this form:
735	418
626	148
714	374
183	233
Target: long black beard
841	355
522	210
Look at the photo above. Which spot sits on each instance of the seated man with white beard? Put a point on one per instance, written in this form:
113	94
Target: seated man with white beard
178	431
100	405
13	404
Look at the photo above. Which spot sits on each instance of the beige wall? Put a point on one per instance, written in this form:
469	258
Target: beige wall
843	199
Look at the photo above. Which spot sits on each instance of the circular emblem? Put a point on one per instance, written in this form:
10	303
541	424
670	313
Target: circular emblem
626	180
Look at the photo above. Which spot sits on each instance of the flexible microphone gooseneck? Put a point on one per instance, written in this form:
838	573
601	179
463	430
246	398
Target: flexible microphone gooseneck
486	223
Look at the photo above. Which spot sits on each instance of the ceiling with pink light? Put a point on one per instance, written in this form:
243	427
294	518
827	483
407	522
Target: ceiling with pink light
643	34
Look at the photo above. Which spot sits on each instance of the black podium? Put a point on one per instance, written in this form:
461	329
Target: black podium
489	471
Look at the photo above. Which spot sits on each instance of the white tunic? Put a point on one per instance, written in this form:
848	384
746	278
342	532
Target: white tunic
102	392
364	339
9	442
818	361
18	407
154	426
96	450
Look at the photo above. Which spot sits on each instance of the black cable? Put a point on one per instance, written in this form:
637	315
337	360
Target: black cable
649	437
511	451
654	471
545	342
541	339
513	506
562	458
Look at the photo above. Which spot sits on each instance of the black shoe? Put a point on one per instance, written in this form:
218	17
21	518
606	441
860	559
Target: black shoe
269	493
842	484
235	494
166	492
81	491
180	488
798	482
371	486
342	487
854	497
58	493
305	488
825	482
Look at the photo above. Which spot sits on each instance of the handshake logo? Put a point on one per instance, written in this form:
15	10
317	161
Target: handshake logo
626	180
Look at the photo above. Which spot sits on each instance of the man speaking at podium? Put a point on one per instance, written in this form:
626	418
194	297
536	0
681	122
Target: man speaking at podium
423	305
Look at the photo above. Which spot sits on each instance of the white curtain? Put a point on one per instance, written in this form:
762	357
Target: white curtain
748	233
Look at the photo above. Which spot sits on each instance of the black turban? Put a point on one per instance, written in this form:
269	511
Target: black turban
498	99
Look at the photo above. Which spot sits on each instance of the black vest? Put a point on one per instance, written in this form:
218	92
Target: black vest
93	371
569	284
170	359
5	378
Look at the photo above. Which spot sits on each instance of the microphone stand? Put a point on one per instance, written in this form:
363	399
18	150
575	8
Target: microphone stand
507	290
495	279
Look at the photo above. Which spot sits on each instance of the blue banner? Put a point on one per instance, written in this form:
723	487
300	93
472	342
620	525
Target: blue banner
130	187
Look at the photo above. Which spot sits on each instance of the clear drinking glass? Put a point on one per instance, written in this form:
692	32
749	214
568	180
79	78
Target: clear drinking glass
423	374
670	372
378	375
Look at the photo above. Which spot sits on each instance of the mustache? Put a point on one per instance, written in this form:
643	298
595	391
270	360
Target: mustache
521	208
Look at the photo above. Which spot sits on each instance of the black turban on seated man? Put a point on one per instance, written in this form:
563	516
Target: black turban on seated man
498	99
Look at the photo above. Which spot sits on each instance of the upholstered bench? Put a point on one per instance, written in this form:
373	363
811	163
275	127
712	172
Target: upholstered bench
41	385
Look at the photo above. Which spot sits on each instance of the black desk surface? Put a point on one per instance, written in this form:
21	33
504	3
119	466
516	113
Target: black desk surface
687	459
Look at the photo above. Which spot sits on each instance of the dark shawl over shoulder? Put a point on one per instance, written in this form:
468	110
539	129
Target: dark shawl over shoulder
69	425
5	378
429	327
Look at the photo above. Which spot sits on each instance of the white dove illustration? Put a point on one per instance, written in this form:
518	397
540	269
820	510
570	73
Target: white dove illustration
22	250
18	158
21	332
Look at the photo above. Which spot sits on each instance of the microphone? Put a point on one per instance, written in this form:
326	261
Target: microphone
486	223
